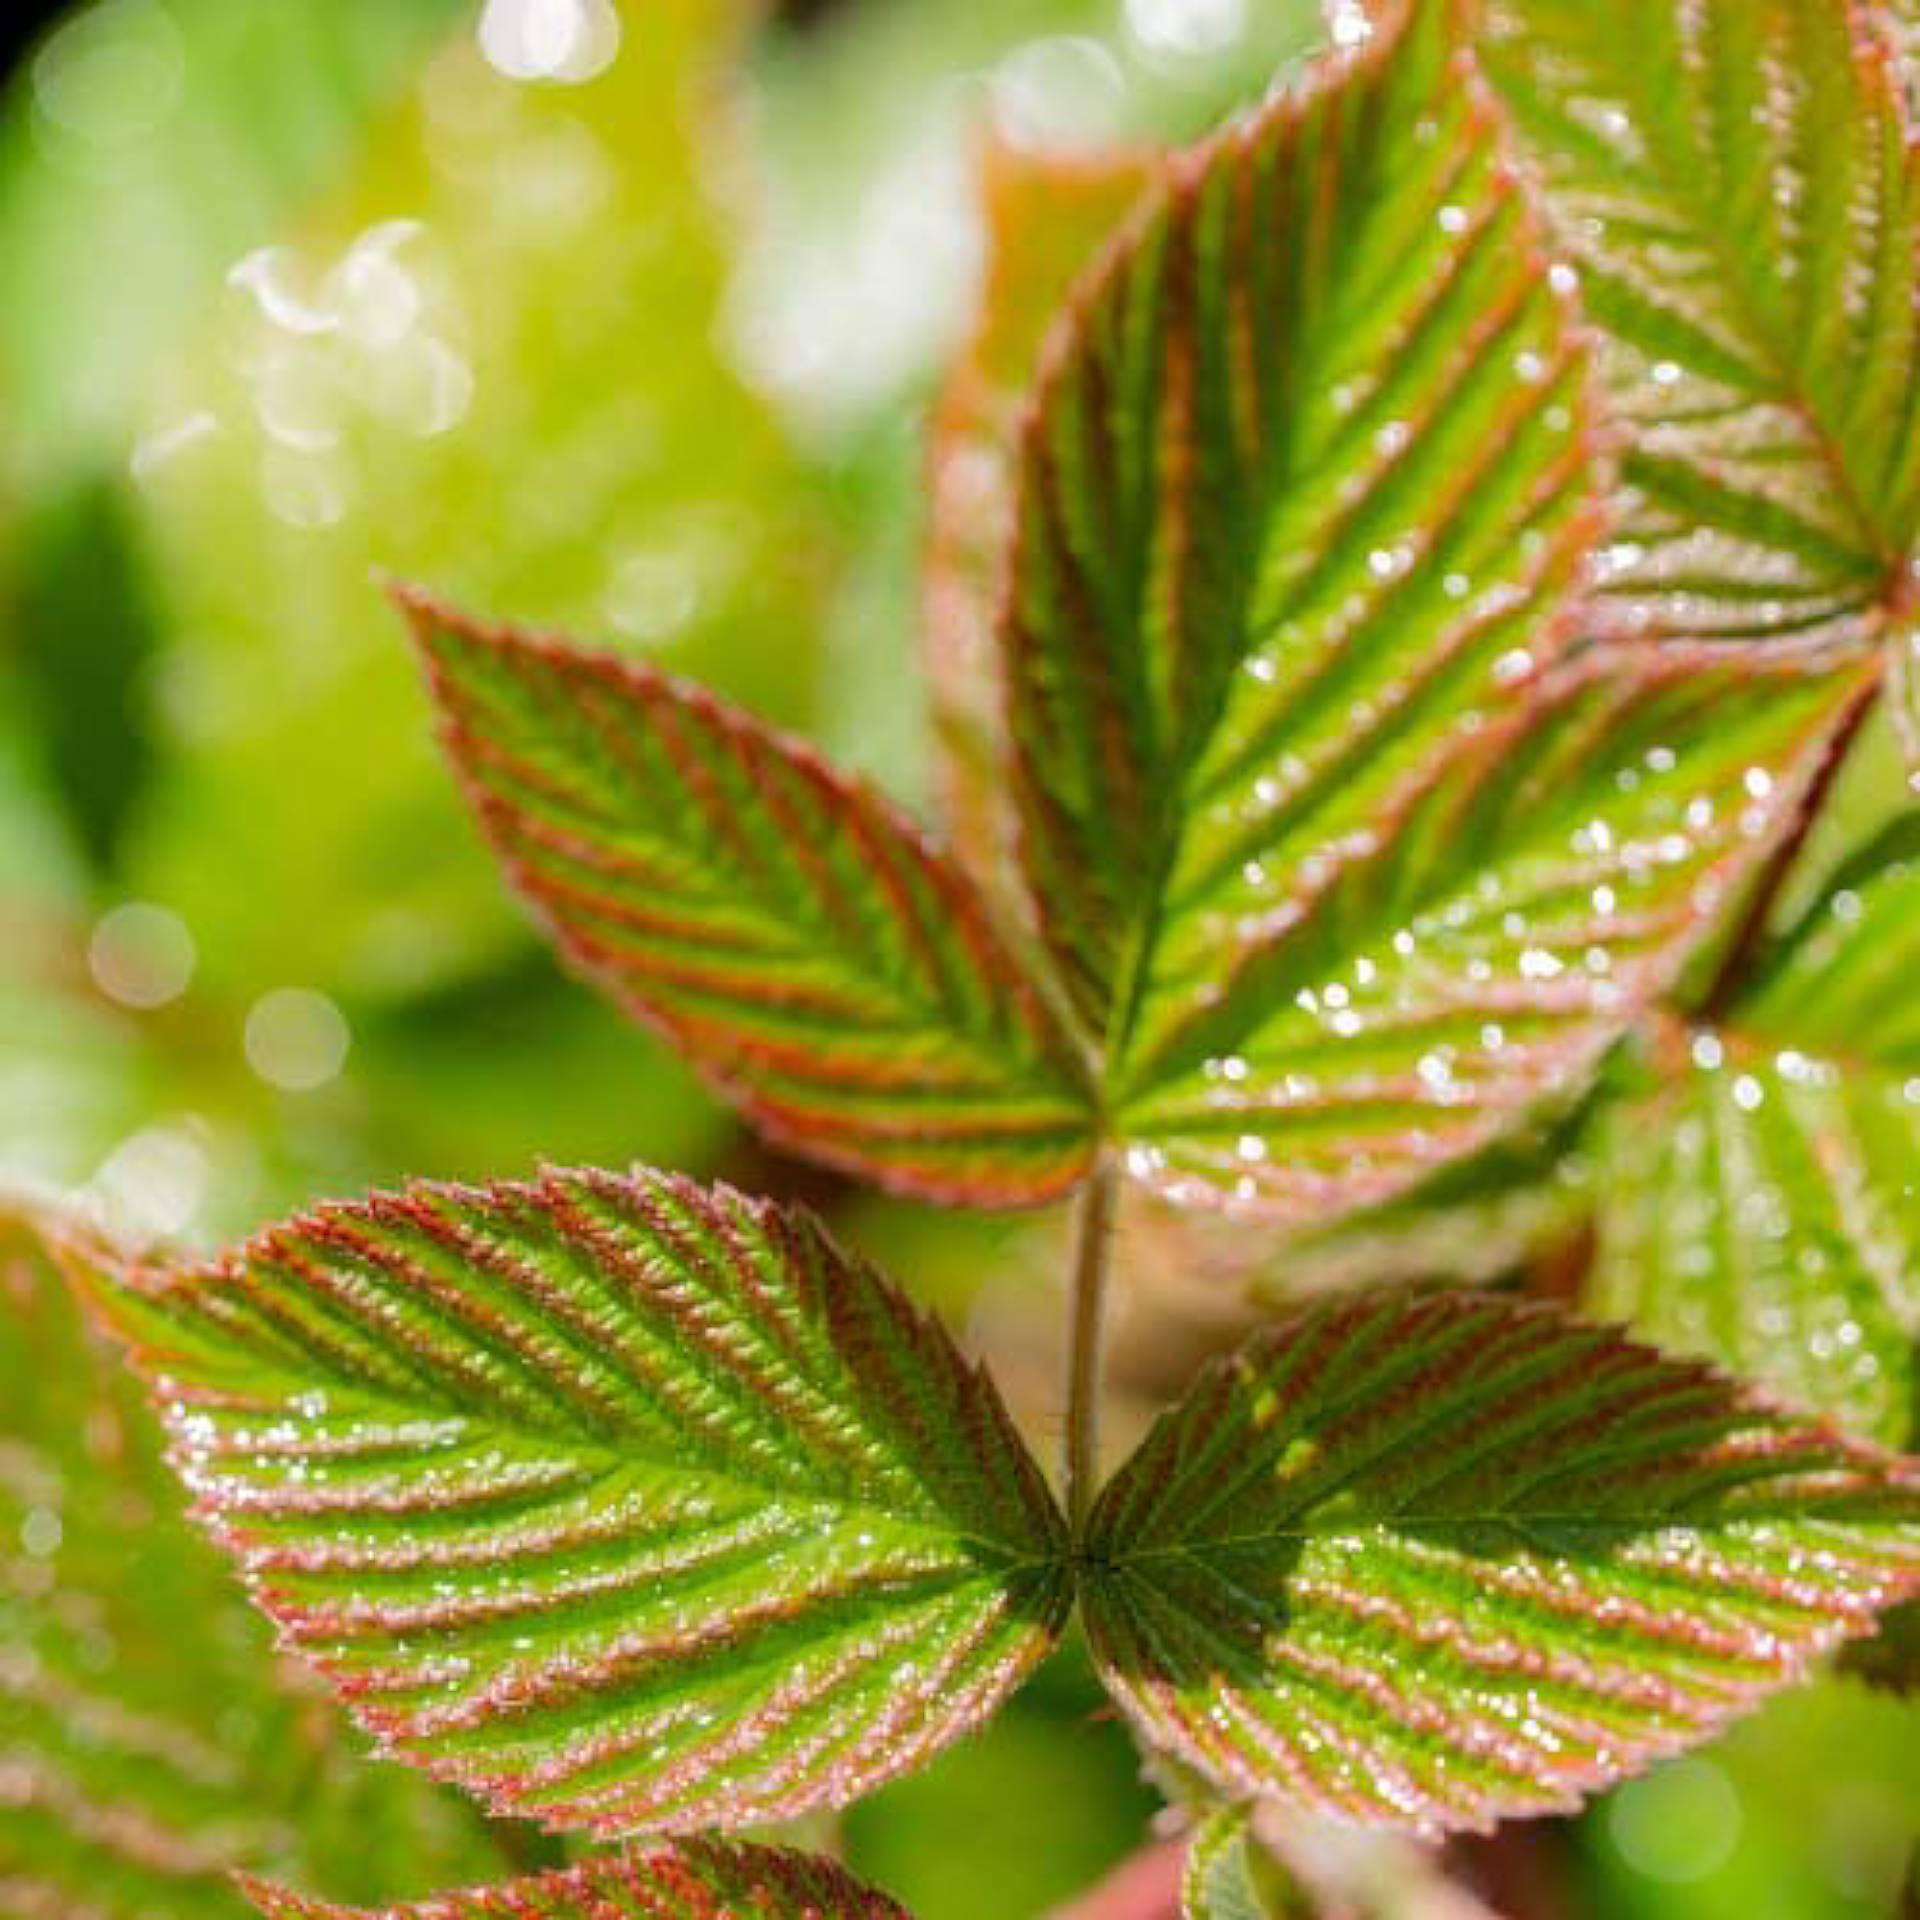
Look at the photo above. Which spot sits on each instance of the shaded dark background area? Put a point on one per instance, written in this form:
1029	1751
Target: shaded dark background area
25	21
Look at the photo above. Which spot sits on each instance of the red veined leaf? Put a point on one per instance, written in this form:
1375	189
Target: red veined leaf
1761	1205
624	1504
152	1742
1471	959
1443	1560
693	1880
802	942
1047	217
1305	483
1732	181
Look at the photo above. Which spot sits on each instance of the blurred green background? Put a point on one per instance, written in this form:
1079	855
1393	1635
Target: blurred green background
621	319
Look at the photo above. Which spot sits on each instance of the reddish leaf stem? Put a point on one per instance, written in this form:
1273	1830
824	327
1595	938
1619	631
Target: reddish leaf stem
1744	948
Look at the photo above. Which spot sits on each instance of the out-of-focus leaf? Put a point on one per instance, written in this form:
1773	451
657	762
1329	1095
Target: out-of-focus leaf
491	363
1047	218
1307	481
695	1880
1437	1562
1762	1206
1733	183
83	634
829	967
624	1504
152	1742
124	196
1474	957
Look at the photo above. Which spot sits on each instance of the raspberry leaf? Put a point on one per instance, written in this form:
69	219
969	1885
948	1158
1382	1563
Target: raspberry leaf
624	1504
694	1880
1733	182
153	1743
1440	1561
1306	481
803	943
1470	961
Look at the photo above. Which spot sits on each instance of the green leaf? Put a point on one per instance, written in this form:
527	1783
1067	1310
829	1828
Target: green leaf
695	1880
1472	960
1047	216
152	1743
1438	1561
1762	1210
810	950
1762	1206
1305	487
624	1504
1230	1876
1731	179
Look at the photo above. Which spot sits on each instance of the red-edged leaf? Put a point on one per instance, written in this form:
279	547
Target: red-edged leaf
1760	1206
1047	216
809	949
1732	181
1306	482
695	1880
1443	1561
1473	956
150	1741
624	1504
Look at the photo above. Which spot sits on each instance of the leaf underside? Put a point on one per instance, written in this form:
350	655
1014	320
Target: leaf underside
695	1880
152	1744
1441	1561
1306	481
799	939
624	1504
1472	963
1733	182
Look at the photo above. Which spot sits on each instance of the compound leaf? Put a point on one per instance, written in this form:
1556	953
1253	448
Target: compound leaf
1732	181
1448	1559
621	1503
824	964
152	1742
1762	1206
1046	215
1307	479
1471	959
693	1880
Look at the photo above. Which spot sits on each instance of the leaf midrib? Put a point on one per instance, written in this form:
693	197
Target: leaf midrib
607	1457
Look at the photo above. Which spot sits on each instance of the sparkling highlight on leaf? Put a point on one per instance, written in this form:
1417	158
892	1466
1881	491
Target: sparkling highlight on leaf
1442	1561
1732	183
1761	1207
824	964
1307	485
1468	961
152	1743
695	1880
623	1504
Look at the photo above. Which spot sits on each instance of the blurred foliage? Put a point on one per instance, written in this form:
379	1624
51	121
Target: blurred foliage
304	289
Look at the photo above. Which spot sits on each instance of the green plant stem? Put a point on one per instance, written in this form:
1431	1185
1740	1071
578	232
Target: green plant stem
1093	1244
